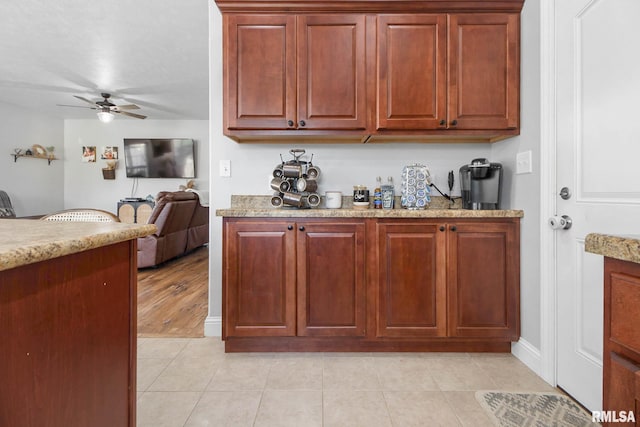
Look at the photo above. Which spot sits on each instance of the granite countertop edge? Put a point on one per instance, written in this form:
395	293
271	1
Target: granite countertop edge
30	241
625	248
366	213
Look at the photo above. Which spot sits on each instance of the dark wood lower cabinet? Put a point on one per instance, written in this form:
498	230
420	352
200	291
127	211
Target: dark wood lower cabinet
412	288
68	334
621	367
331	281
483	275
260	277
335	284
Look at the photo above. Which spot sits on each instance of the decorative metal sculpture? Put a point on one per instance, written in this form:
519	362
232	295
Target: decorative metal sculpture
295	182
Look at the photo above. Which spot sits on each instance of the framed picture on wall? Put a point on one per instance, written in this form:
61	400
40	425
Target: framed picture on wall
109	153
88	154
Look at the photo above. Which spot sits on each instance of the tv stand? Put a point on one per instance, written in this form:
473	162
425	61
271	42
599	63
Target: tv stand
135	210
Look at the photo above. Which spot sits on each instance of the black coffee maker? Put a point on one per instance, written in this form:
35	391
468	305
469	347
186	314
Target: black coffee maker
481	184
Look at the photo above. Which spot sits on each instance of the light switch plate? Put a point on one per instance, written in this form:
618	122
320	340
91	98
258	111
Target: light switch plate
225	168
523	162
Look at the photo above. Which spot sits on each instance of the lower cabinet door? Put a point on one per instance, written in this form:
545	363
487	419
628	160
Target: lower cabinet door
412	300
620	392
259	279
483	280
331	278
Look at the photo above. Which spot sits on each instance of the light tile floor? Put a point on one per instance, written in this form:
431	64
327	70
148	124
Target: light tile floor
193	382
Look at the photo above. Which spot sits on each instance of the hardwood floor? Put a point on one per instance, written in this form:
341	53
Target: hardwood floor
173	298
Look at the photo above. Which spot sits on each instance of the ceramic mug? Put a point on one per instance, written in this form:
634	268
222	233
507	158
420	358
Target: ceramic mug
333	199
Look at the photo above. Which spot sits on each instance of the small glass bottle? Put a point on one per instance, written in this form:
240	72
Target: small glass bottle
388	194
377	194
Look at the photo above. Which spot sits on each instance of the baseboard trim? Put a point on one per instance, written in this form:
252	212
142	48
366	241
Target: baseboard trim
529	355
213	326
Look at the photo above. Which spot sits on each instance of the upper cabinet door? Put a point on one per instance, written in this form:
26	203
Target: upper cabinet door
484	74
411	86
331	72
259	78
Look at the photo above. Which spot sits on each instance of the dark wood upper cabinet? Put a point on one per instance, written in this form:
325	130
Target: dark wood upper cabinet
260	79
484	71
295	73
371	71
412	80
331	72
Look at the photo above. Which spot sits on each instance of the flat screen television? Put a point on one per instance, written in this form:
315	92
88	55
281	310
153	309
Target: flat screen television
160	158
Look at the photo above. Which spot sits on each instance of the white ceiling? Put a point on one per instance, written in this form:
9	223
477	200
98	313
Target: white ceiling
152	53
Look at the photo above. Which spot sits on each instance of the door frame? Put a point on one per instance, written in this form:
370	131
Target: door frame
548	198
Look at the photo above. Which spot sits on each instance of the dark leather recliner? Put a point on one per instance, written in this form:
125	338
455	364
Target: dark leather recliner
6	209
183	225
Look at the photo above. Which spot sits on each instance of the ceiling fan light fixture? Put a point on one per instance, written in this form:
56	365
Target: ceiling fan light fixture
105	116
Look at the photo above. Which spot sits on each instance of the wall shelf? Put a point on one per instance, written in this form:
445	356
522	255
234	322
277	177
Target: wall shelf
49	159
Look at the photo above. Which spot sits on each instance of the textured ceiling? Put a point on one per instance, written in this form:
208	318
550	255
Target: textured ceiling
153	53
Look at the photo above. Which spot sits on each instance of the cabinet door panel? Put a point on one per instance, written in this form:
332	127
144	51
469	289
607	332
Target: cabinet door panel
331	279
624	299
411	71
483	279
259	280
484	74
260	71
620	386
412	283
331	72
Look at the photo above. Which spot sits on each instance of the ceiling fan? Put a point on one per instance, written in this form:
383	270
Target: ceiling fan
106	110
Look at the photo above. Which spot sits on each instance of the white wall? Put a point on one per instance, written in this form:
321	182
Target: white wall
84	185
342	165
523	191
34	186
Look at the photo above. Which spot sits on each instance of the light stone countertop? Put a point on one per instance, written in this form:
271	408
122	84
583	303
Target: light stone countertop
625	248
259	206
27	241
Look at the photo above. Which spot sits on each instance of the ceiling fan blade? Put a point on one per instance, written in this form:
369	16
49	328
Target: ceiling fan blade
137	116
127	107
85	100
76	106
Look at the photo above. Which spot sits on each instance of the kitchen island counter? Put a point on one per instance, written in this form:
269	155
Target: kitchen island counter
621	346
27	241
68	294
259	207
624	248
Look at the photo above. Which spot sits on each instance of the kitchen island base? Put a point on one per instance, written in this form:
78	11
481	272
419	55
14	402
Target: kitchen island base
68	333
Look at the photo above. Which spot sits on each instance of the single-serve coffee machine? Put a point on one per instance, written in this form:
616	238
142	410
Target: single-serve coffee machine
481	184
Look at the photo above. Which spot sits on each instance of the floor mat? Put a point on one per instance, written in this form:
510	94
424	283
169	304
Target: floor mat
507	409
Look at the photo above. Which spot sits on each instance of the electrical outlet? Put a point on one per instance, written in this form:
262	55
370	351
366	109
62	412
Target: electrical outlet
225	168
523	162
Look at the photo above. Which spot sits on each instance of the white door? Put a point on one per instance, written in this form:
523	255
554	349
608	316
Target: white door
598	159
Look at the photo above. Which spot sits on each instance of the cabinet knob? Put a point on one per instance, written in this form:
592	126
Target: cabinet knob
454	228
301	228
442	228
302	123
290	227
290	123
454	122
443	122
